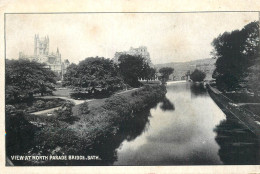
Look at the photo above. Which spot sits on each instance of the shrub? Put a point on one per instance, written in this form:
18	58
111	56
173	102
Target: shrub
19	132
49	104
65	113
83	108
39	104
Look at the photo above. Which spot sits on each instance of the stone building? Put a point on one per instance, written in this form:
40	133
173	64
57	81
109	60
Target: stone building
141	51
42	55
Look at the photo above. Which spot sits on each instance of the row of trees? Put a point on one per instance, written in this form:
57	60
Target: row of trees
237	54
104	74
26	78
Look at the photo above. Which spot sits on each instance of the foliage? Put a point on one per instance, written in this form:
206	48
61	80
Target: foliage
99	121
235	52
19	132
134	67
253	78
165	73
197	76
65	112
148	73
92	74
71	78
38	104
25	78
167	105
84	109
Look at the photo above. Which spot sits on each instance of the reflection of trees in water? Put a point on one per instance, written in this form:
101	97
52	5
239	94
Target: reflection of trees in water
105	146
167	105
237	144
197	89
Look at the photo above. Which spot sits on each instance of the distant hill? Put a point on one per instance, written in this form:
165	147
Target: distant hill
180	68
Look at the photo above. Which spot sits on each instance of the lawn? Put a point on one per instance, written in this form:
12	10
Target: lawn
38	104
63	92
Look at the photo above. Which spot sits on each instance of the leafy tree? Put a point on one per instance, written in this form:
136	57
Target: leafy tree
25	78
71	78
148	72
93	73
133	67
165	73
235	52
197	76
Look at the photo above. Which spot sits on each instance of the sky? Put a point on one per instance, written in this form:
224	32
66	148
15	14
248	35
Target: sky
169	37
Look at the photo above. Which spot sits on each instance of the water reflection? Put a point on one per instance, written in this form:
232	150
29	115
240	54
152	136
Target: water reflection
178	134
198	89
106	146
237	144
167	105
181	136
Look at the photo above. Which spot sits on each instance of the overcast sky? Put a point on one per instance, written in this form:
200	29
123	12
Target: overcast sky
169	37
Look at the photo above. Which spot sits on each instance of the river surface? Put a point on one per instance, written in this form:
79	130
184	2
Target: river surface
188	128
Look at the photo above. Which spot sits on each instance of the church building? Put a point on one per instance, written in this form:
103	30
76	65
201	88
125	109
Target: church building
140	51
42	55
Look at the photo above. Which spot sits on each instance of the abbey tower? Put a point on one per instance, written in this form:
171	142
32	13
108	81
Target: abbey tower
41	46
42	55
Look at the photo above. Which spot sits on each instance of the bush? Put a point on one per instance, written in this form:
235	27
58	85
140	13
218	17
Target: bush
49	104
65	113
19	132
39	104
83	108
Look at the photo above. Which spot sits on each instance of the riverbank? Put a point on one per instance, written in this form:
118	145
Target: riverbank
95	124
246	117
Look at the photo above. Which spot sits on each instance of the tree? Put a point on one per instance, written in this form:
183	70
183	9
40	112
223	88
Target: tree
93	73
71	78
131	68
148	72
165	73
235	52
25	78
197	76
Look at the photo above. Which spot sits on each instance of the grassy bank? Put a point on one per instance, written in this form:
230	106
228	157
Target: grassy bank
38	104
97	125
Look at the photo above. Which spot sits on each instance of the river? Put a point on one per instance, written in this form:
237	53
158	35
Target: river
188	128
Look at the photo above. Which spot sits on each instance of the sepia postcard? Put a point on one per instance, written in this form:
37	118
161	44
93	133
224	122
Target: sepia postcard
124	87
